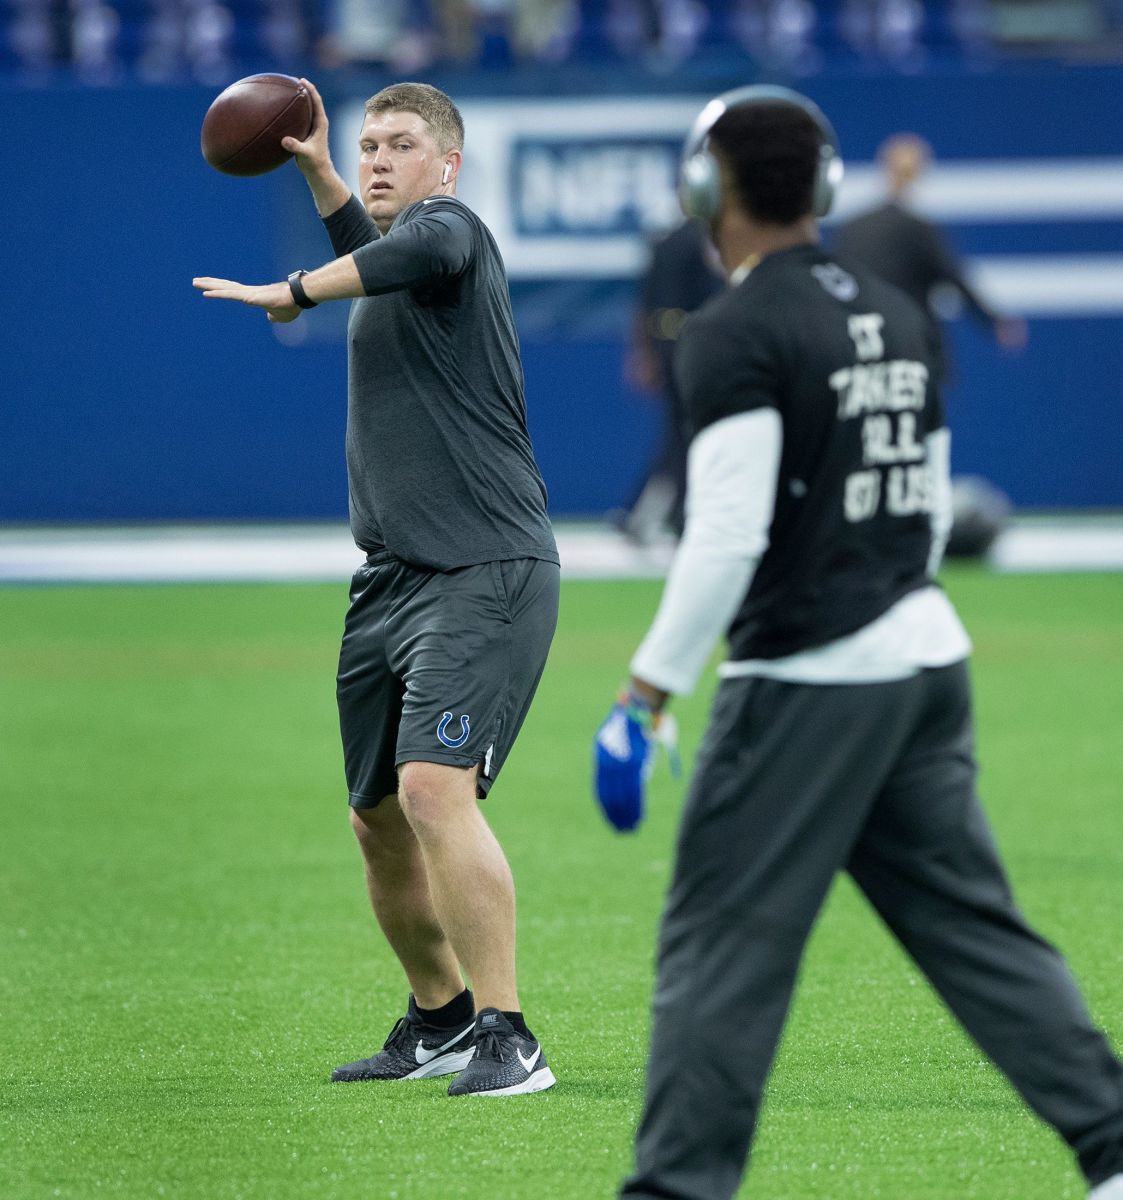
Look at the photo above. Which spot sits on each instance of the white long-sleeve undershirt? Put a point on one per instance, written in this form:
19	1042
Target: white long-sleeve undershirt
731	472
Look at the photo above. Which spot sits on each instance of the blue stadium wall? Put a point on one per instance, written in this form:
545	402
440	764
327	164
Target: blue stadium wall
126	397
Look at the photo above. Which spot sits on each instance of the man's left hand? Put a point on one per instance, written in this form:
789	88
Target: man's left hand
624	753
275	298
622	761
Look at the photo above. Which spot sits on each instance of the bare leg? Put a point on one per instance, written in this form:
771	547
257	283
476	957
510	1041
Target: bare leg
400	896
469	879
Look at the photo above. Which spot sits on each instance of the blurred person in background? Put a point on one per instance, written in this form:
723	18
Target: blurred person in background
526	30
911	253
660	33
396	33
411	34
682	274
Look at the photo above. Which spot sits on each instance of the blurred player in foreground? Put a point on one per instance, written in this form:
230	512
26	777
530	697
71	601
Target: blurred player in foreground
453	612
909	252
841	734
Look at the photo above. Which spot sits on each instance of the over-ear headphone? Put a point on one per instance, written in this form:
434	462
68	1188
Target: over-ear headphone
446	172
700	176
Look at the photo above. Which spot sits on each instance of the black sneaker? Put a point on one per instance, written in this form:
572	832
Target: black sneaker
504	1063
413	1050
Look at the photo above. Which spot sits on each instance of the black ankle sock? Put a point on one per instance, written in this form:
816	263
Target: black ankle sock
518	1024
458	1011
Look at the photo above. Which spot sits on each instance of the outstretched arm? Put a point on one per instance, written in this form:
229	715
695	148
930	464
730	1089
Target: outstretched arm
1009	332
433	245
337	280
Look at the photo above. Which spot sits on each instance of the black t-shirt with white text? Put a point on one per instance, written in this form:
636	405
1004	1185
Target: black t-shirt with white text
847	362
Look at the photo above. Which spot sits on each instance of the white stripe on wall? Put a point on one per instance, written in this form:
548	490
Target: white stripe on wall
1045	285
1052	285
997	190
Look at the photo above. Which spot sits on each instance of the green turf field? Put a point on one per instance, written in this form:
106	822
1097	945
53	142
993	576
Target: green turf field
186	951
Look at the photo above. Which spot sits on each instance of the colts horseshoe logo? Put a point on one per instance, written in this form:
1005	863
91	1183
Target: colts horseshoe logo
466	728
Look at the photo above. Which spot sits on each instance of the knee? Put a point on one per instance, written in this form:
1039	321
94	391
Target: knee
432	795
373	828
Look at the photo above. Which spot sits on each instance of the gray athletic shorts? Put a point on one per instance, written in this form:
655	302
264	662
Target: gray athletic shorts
439	666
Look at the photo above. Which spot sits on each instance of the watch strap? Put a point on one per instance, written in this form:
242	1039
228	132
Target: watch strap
299	295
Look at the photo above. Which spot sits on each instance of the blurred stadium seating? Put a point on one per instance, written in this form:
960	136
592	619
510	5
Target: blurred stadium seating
107	41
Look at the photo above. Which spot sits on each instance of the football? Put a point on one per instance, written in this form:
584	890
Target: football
243	128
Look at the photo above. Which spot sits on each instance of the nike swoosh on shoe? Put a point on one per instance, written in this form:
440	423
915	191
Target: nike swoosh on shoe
528	1063
424	1054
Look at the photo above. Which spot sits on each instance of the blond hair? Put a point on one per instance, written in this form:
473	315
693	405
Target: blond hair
430	104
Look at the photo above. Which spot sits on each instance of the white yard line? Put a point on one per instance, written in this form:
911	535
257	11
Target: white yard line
325	553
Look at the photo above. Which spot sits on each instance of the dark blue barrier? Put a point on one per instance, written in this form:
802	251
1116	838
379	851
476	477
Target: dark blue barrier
125	396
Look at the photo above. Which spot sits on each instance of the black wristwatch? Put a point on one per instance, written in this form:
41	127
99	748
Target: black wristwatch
299	295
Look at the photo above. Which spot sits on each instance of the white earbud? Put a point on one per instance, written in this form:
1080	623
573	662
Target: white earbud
446	172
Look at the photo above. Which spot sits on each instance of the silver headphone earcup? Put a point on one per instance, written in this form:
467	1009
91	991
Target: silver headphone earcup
699	193
827	178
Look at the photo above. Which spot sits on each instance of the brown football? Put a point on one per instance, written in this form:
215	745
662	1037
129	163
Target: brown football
243	128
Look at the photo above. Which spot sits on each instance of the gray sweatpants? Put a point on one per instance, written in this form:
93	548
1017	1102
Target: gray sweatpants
793	783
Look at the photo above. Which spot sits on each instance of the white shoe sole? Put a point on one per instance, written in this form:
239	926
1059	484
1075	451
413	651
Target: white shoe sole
538	1082
443	1064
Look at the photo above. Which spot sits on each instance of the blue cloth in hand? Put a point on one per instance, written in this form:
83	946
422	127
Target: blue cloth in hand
622	762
